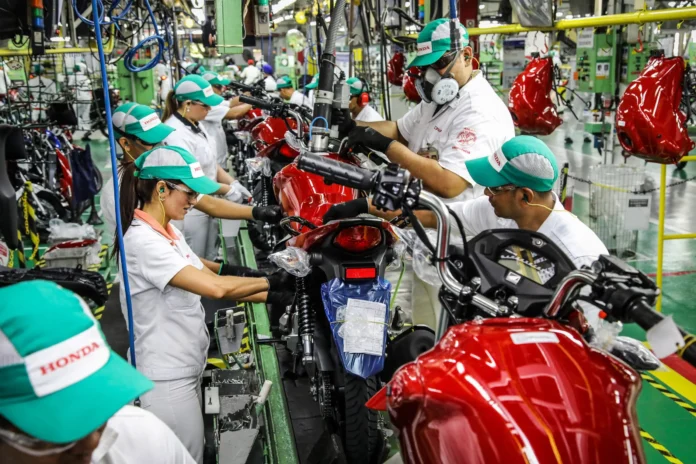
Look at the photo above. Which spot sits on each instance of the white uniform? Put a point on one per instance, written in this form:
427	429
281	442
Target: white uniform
200	230
107	204
213	125
270	84
81	86
171	339
4	82
129	436
42	90
472	126
310	97
298	98
251	75
369	114
164	80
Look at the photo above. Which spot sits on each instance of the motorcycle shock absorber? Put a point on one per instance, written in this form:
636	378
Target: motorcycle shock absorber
305	317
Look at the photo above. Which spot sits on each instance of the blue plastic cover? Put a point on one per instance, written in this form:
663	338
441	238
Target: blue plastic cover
335	294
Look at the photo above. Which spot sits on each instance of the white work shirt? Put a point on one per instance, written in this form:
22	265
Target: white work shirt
42	90
171	339
107	203
369	114
310	97
270	84
3	82
298	98
134	435
251	75
571	235
80	86
472	126
197	141
213	126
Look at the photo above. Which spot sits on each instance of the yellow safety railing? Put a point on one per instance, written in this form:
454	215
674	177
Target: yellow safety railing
661	236
108	47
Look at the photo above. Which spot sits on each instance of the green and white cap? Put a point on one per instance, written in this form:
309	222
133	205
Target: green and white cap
434	41
284	82
215	78
195	68
356	86
194	87
314	83
522	161
59	379
174	163
140	121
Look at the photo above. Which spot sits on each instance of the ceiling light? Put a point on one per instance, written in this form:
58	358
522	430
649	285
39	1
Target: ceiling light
559	14
481	7
672	4
569	16
407	4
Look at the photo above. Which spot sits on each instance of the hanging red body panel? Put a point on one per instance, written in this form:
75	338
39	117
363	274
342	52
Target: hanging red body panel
530	102
395	69
649	123
409	84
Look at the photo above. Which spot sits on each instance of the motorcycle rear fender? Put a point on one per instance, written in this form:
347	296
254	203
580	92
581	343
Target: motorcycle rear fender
322	350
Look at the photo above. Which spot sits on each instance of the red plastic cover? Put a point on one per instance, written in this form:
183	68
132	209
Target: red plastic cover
530	101
395	69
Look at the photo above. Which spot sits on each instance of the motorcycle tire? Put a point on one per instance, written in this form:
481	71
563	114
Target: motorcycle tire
362	436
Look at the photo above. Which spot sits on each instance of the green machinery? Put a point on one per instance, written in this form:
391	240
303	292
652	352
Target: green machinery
228	21
596	68
285	65
633	61
138	87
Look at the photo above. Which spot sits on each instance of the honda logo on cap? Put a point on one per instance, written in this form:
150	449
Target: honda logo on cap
497	160
70	358
425	48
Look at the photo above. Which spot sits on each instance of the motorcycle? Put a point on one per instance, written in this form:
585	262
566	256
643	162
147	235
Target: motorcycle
513	378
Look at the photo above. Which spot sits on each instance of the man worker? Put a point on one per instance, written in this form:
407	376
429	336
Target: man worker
251	74
310	89
288	93
269	82
435	138
64	394
360	99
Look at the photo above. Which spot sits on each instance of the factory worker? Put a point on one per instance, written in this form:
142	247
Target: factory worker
42	91
187	105
460	118
195	68
167	281
64	394
81	86
251	74
269	82
4	80
163	77
311	88
518	181
288	93
138	129
228	109
360	99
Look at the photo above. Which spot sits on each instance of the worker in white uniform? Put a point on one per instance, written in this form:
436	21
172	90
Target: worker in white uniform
311	88
64	394
269	82
81	86
139	129
4	80
163	77
360	99
42	91
288	93
459	118
187	105
167	281
251	74
228	109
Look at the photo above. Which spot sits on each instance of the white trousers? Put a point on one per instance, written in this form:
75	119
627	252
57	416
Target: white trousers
178	404
201	233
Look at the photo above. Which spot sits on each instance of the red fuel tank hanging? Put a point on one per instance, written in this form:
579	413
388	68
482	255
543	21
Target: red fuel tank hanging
409	84
649	122
395	69
530	101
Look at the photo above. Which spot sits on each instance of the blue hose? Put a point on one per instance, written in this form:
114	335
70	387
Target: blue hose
130	55
114	173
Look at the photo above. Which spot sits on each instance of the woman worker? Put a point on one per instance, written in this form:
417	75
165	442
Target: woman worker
167	281
138	129
187	105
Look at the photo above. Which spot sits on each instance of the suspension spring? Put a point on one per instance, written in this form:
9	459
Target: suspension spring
305	317
264	190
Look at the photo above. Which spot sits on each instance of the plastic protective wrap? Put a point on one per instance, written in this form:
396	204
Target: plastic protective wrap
359	316
259	165
63	231
400	251
422	264
293	260
635	354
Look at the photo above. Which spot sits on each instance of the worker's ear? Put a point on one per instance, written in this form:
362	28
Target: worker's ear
527	195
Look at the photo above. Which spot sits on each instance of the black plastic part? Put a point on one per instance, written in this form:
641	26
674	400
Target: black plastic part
11	147
406	347
337	172
257	102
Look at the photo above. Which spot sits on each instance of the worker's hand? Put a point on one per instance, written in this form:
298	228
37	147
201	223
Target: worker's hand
349	209
281	298
269	214
280	280
240	271
368	137
238	193
344	120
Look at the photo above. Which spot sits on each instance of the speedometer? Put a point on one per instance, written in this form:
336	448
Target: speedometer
527	263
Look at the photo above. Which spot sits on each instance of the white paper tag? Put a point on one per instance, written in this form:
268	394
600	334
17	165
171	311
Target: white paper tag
637	215
665	338
586	38
524	338
4	254
363	329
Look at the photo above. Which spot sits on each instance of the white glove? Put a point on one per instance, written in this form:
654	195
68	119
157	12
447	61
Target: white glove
238	193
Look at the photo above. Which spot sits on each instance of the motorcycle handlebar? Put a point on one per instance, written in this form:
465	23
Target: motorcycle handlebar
339	173
256	102
240	86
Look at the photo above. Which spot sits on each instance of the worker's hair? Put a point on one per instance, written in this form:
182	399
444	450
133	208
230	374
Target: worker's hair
171	106
119	134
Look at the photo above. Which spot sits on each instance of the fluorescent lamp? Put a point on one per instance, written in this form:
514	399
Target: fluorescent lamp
481	7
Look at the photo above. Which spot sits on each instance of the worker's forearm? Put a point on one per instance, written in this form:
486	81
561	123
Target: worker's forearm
386	128
238	111
211	265
237	288
256	298
224	209
223	177
234	101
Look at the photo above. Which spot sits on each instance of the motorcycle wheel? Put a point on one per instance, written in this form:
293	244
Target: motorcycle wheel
361	432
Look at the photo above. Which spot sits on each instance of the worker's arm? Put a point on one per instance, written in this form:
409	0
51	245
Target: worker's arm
223	209
218	287
427	218
210	267
386	128
223	177
237	111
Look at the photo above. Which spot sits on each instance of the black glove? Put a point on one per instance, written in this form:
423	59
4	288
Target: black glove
345	210
240	271
369	138
344	120
269	214
280	280
282	298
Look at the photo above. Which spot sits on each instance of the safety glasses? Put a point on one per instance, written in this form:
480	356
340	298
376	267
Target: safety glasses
444	61
203	105
32	446
189	193
503	188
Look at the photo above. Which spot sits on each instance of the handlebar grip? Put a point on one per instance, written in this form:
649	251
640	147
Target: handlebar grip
256	102
338	173
240	86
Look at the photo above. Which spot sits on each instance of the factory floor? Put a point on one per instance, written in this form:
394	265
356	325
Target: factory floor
667	404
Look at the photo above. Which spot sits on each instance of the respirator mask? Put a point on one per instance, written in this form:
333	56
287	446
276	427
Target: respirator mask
441	89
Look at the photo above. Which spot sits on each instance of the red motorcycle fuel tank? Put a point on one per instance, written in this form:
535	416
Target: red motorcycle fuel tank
649	123
272	129
529	101
306	195
515	390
